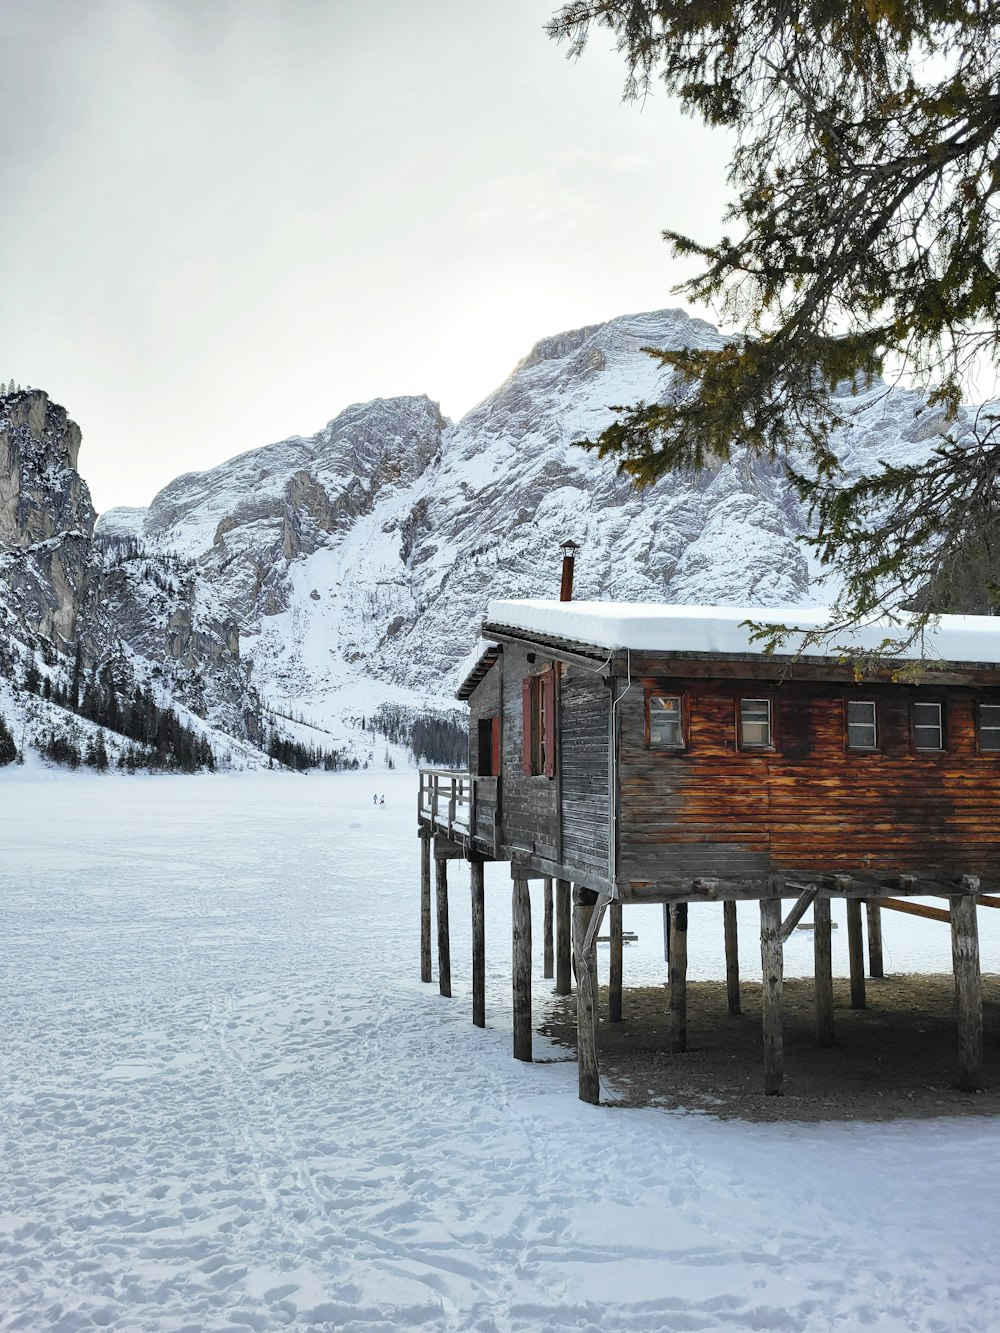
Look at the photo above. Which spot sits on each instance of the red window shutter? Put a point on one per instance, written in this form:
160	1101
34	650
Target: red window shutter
495	739
549	686
526	749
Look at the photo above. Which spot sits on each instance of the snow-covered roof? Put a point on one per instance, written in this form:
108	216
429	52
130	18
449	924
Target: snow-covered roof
658	627
474	667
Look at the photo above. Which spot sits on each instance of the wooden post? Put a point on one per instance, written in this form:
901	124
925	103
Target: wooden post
521	915
564	938
968	991
666	932
856	952
444	937
678	977
772	963
477	886
425	907
548	968
584	902
823	962
615	976
876	967
732	957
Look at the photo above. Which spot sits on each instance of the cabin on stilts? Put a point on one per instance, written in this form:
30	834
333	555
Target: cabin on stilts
627	753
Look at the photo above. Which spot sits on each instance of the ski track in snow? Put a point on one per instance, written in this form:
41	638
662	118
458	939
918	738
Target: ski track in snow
227	1102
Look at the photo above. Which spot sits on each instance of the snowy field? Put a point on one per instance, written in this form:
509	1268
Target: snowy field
227	1102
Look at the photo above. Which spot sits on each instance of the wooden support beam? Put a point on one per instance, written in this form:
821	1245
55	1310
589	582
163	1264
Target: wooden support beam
444	937
521	968
425	908
799	908
477	887
564	938
856	953
823	970
548	950
984	901
732	957
584	902
876	967
678	977
772	963
615	976
915	909
968	991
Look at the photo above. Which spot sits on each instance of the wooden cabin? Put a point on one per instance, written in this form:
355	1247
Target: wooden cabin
650	753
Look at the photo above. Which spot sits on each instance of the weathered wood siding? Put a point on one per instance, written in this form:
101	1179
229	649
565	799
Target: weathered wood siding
529	804
584	713
484	701
810	804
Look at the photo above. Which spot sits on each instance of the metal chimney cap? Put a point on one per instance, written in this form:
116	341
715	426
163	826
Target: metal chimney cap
569	547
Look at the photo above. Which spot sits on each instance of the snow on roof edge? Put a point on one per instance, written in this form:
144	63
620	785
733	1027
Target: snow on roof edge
662	627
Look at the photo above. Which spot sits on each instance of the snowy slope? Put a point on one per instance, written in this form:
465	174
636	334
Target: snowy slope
358	563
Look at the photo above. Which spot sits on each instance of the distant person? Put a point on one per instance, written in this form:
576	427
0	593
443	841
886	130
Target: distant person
381	800
375	799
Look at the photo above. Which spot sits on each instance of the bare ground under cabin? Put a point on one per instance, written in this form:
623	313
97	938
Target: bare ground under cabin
895	1059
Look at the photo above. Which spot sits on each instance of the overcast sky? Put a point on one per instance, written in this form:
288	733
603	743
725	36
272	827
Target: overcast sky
225	220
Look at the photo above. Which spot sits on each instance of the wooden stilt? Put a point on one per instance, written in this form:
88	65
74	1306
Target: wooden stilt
521	915
732	957
772	962
856	952
564	938
548	968
876	968
666	932
444	937
678	977
586	997
615	977
823	962
968	991
477	886
425	908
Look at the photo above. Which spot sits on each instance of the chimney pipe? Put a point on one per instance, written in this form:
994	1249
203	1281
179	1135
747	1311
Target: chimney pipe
569	550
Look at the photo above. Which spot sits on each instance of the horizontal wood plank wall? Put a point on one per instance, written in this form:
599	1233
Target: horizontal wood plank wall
484	701
584	715
713	810
530	804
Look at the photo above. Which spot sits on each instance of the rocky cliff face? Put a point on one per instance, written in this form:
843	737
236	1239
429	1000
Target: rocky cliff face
358	562
59	585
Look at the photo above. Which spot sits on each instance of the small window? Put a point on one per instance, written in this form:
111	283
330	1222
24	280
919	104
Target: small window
539	722
755	724
862	732
928	731
489	747
666	729
989	727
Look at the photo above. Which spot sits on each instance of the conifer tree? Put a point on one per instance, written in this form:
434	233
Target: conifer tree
8	750
863	238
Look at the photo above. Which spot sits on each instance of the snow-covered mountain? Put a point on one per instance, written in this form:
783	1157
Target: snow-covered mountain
358	562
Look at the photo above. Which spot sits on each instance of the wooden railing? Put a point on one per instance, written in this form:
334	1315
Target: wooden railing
445	799
460	805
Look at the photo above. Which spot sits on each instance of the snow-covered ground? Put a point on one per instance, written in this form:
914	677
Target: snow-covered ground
227	1102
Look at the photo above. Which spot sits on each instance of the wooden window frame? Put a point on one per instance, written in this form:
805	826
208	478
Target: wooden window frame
538	720
488	729
943	726
647	739
980	705
771	728
874	748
